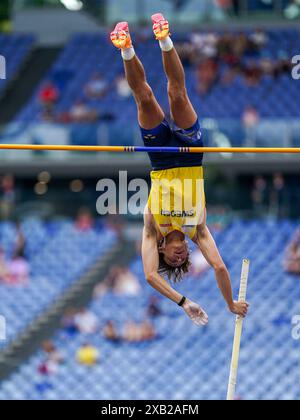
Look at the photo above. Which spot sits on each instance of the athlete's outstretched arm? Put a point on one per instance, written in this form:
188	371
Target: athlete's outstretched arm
209	249
150	258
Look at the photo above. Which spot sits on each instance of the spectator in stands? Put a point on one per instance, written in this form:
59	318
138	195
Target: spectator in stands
52	359
52	353
153	309
81	113
127	283
121	281
137	333
277	196
122	87
88	355
85	220
259	38
259	195
250	120
48	96
86	322
148	332
292	257
7	196
97	87
18	269
131	332
68	323
110	332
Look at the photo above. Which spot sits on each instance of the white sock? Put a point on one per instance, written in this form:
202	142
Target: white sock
128	54
166	44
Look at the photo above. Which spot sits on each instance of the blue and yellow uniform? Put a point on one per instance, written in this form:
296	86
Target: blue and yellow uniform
177	199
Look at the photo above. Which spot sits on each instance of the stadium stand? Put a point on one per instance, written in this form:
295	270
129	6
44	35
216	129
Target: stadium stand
87	54
252	66
195	361
58	254
15	48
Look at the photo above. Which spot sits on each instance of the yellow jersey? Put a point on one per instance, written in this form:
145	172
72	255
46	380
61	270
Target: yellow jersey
177	200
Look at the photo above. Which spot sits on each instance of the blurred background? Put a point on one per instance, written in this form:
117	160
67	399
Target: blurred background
81	322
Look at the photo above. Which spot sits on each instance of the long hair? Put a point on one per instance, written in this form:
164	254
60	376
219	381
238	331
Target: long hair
174	274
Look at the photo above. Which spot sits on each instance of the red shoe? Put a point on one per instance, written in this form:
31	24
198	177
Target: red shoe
120	36
161	27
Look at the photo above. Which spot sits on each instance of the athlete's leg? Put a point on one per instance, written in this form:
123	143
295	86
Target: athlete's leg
150	114
182	110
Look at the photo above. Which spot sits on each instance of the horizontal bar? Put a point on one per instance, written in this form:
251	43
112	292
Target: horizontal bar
138	149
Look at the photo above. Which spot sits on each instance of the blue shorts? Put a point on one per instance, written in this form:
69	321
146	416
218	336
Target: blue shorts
169	135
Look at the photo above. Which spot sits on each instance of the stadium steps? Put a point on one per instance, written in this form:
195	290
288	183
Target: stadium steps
19	92
79	295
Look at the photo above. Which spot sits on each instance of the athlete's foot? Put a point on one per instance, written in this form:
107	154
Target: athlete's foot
161	27
120	36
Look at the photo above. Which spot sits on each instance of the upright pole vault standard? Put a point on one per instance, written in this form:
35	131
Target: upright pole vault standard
138	149
238	334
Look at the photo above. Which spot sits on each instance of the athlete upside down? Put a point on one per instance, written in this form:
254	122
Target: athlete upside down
164	248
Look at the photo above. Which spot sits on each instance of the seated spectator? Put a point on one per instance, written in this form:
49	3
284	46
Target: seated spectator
48	96
153	309
96	88
259	38
86	322
85	220
250	121
110	332
292	257
137	333
18	269
52	352
87	355
68	322
127	283
131	332
122	87
250	117
147	331
52	359
82	113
